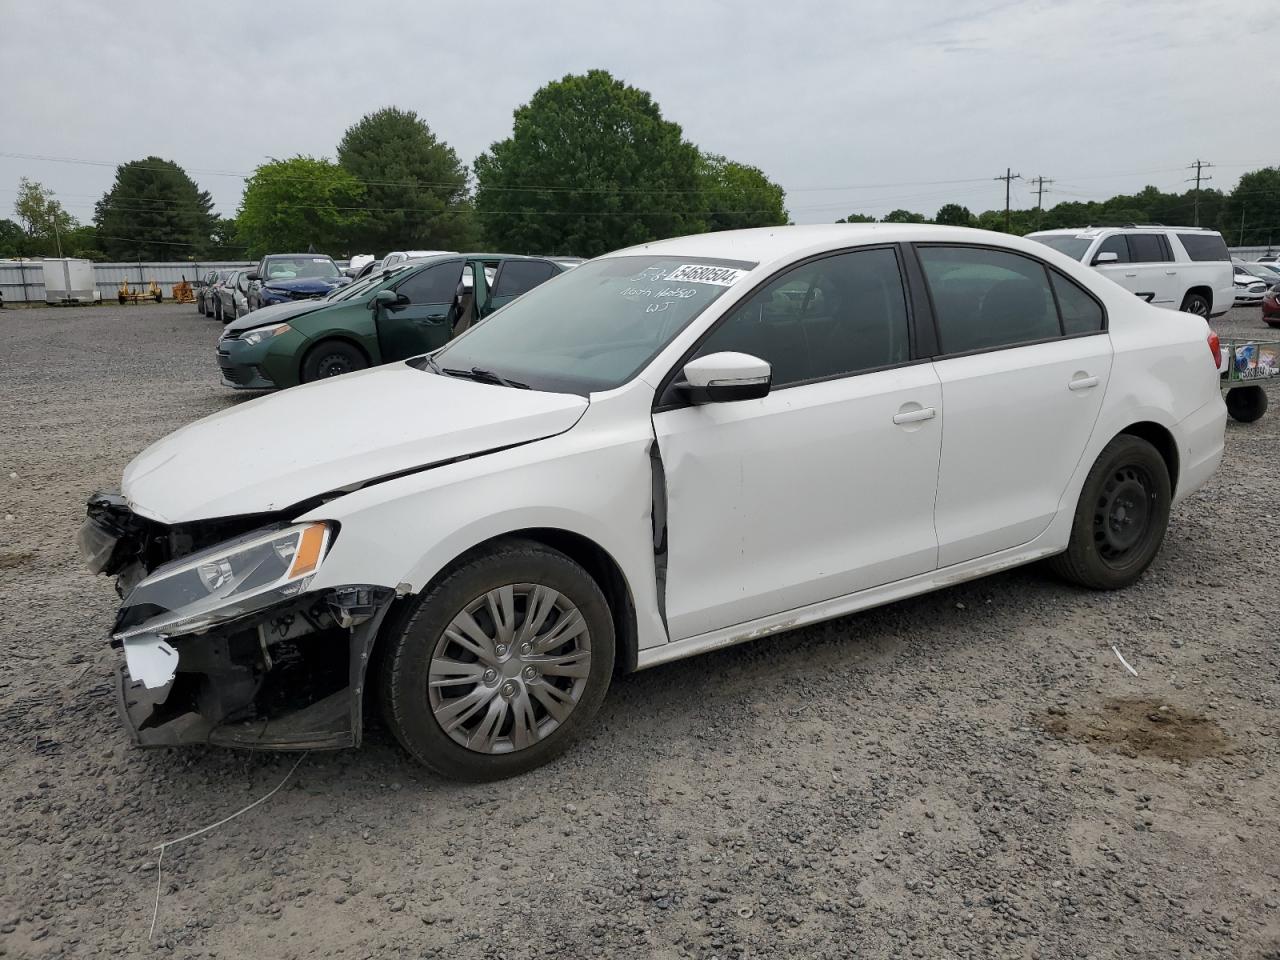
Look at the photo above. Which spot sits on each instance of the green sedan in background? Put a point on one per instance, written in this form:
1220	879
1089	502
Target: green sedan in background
392	315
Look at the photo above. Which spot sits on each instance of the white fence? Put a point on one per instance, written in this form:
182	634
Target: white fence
1252	253
23	281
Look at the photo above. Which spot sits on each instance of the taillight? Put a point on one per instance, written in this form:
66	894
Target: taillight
1215	348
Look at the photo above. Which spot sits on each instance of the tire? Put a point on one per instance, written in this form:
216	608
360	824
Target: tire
1128	485
1195	303
332	358
1246	404
485	743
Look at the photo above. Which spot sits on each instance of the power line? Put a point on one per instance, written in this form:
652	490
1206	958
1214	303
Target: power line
1040	183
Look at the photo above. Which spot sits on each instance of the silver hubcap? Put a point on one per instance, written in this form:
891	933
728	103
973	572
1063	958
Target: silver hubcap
509	668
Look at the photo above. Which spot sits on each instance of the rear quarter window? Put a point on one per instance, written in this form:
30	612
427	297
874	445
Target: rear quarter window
1204	246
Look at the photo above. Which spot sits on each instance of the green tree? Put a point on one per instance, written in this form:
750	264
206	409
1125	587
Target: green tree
954	215
415	186
858	218
12	239
737	196
590	166
300	204
904	216
43	219
153	211
1251	214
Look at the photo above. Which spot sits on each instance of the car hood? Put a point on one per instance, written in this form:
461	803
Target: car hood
270	453
307	284
276	313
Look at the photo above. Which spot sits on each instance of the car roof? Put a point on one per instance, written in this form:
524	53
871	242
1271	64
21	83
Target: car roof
767	244
272	256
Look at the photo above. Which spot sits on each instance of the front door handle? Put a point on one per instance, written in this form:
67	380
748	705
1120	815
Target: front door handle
1130	274
1171	273
1082	383
915	416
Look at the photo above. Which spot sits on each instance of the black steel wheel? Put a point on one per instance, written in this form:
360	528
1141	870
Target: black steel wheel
1121	517
332	358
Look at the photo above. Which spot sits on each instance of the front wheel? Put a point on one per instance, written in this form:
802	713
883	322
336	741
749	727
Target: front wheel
1195	303
1120	519
501	665
332	358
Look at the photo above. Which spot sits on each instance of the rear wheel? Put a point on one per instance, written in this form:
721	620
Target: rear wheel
1196	303
1246	404
332	358
501	665
1120	519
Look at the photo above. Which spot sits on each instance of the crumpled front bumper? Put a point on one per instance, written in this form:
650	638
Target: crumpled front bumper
233	686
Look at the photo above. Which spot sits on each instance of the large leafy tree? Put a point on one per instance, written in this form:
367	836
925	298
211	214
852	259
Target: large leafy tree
415	186
858	218
954	215
301	204
590	166
737	196
44	220
1251	214
12	239
904	216
153	211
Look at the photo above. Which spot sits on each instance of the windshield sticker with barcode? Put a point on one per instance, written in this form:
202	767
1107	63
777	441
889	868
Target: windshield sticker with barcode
704	273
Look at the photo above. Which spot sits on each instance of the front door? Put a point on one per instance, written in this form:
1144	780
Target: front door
425	320
515	277
1024	365
822	488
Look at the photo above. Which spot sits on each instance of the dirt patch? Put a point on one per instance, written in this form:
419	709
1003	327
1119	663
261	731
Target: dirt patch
16	560
1137	727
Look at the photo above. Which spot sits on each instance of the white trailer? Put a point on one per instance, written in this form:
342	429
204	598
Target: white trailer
68	280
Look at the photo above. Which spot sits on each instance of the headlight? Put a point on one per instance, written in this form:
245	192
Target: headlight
225	582
257	335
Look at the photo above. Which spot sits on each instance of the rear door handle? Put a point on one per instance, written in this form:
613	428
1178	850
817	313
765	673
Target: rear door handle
1082	383
1130	274
1171	273
915	416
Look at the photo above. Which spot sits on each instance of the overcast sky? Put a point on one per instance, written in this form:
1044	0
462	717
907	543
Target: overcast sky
852	106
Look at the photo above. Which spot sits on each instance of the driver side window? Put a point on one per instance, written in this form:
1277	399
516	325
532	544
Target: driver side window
438	284
833	317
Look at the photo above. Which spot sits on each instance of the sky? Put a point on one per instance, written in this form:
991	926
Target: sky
858	106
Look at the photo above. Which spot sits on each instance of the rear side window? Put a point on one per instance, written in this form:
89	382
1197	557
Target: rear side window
438	284
1080	312
1204	246
521	276
1114	244
1148	248
986	299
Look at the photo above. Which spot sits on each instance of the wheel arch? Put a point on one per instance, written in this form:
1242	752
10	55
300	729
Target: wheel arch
1162	439
1202	290
595	559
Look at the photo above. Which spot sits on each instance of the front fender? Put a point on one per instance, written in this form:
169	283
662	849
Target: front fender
403	532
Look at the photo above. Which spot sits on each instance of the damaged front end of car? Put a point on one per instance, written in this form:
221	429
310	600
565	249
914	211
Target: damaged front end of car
224	640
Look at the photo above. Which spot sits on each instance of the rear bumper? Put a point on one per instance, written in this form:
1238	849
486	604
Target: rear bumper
1200	439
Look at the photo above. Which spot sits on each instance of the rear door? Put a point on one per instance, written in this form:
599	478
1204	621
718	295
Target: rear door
515	277
425	320
1153	270
1024	361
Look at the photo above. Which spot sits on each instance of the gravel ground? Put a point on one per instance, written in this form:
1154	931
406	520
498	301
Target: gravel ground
970	773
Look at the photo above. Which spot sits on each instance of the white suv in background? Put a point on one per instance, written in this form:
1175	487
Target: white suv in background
1178	268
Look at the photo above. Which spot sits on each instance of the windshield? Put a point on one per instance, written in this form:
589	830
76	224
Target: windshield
292	268
364	285
595	327
1073	247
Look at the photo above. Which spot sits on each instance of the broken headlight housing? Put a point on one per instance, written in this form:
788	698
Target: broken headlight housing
225	582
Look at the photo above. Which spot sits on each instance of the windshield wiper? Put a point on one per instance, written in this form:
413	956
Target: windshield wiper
480	375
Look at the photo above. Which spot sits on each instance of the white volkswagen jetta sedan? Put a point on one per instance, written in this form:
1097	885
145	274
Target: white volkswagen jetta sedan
667	450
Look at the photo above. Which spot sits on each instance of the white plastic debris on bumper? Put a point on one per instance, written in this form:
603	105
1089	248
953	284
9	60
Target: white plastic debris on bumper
150	660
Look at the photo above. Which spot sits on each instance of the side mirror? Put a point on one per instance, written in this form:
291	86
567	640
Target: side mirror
1108	257
384	298
723	377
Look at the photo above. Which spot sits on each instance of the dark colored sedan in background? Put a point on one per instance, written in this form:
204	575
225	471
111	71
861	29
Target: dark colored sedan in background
282	277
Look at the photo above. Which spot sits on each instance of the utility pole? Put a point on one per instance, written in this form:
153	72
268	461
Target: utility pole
1197	166
1008	178
1039	182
